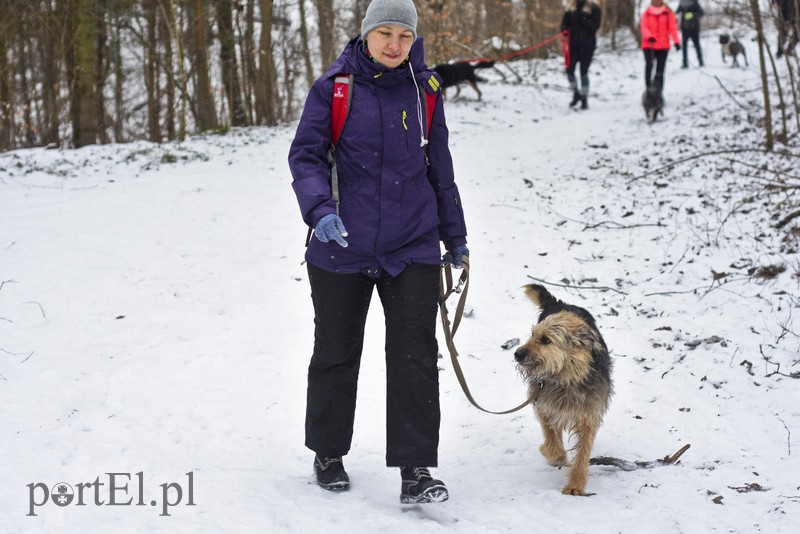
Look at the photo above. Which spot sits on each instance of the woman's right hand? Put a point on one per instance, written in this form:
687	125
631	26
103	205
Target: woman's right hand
331	227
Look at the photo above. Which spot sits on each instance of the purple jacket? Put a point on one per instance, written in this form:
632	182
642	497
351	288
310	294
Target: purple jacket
395	207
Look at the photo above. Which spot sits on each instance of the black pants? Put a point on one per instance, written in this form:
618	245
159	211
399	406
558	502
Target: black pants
660	57
410	303
582	55
692	34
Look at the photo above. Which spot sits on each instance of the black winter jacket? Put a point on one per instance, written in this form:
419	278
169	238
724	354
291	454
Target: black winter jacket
582	24
690	13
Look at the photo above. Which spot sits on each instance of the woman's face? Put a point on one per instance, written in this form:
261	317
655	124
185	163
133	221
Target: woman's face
390	44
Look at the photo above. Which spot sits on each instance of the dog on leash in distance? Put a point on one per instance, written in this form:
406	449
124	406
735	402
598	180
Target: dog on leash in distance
733	48
653	100
568	370
454	74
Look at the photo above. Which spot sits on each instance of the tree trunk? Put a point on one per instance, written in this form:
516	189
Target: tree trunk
101	68
5	89
49	48
228	64
249	64
265	96
327	44
205	111
764	83
168	66
305	44
150	68
83	108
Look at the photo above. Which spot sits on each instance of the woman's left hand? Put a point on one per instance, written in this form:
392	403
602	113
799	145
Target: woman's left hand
455	257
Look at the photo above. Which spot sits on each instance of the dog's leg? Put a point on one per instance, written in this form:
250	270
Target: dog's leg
553	447
475	86
579	471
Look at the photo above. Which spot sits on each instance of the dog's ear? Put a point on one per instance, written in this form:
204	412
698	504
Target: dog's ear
540	296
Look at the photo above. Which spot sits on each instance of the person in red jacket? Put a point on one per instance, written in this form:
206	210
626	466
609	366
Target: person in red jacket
658	26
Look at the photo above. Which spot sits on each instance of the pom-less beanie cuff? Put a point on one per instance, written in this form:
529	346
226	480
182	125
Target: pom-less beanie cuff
382	12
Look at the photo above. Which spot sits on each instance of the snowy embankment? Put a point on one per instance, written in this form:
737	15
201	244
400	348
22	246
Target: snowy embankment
155	322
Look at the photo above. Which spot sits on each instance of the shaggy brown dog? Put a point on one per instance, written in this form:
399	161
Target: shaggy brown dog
568	370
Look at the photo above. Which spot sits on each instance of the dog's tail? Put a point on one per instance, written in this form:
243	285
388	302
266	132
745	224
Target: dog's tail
540	296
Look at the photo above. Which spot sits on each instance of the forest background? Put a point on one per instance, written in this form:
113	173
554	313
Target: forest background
81	72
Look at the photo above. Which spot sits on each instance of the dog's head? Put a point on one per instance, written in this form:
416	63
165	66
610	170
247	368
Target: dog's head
724	39
564	342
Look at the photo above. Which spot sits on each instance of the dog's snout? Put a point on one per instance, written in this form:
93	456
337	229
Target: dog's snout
520	354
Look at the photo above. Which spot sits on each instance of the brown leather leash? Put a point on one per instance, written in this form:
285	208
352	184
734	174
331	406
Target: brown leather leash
445	290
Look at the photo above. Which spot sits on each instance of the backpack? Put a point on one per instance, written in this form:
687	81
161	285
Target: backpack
340	109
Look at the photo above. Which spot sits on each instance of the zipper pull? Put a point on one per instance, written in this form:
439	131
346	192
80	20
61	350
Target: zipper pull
405	116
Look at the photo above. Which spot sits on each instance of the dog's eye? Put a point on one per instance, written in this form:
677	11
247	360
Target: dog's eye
545	340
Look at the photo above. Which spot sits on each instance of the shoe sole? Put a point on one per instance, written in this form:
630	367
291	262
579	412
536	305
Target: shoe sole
335	486
431	495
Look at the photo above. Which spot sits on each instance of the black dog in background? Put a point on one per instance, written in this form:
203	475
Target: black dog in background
732	47
454	74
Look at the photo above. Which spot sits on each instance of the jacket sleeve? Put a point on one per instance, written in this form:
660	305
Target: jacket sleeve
565	21
673	28
308	155
644	26
452	228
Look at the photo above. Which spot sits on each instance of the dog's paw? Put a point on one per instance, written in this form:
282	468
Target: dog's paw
554	456
575	490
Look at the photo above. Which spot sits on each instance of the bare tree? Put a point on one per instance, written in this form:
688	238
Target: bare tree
229	67
325	26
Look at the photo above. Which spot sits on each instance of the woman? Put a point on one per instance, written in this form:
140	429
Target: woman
581	21
398	201
690	12
658	26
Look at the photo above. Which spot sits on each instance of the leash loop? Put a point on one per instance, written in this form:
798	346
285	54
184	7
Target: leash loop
445	290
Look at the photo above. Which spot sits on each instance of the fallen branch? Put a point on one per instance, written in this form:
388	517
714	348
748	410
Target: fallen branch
627	465
600	288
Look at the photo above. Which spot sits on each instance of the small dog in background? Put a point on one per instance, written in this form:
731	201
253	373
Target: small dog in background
454	74
568	370
653	100
733	48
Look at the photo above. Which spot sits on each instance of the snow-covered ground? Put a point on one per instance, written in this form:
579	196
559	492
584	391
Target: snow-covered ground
155	323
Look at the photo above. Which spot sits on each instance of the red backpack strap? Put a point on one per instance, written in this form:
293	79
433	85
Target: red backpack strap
431	93
340	105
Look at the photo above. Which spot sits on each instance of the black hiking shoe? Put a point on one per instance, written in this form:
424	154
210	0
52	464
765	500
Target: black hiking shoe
419	487
331	474
584	102
576	97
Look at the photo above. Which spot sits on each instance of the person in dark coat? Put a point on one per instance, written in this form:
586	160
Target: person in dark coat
786	20
690	13
581	21
399	200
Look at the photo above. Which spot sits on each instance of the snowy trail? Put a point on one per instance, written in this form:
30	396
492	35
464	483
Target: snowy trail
173	328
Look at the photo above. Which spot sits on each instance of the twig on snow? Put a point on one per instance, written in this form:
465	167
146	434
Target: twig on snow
788	436
777	365
4	282
731	94
627	465
601	288
704	154
40	307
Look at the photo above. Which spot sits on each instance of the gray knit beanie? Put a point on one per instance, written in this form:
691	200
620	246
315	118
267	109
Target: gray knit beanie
381	12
